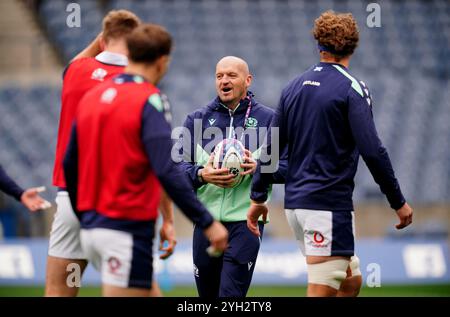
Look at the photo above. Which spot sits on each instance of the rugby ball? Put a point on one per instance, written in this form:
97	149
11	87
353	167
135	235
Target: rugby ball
230	154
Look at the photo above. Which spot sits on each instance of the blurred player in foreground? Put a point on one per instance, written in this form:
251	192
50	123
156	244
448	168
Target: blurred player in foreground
119	154
325	120
102	59
29	198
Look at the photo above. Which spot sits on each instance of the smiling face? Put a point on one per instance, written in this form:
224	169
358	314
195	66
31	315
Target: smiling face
232	80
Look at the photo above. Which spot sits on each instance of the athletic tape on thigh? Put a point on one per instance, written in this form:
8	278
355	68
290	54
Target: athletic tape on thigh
330	273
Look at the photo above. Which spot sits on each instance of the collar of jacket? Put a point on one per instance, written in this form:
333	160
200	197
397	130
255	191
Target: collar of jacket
217	105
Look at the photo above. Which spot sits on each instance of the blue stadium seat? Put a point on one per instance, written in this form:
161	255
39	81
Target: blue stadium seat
410	87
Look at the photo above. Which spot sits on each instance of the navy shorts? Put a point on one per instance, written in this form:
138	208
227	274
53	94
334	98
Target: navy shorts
323	233
120	249
231	274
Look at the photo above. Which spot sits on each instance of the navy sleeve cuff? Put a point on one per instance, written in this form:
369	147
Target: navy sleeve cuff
17	194
206	221
397	201
195	179
9	186
259	196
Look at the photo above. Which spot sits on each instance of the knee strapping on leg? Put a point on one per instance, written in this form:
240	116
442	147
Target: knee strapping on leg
330	273
354	266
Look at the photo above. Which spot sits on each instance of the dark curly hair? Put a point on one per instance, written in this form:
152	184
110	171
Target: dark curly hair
337	32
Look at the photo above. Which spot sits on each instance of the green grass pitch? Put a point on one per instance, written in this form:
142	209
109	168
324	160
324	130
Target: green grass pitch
256	291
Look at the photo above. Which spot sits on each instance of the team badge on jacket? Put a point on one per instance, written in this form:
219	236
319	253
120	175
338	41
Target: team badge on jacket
99	74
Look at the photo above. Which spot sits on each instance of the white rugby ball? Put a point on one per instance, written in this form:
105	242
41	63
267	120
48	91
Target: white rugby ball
230	154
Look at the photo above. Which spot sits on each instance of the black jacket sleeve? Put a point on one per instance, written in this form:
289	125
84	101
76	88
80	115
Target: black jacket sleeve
156	137
9	186
188	163
261	179
371	149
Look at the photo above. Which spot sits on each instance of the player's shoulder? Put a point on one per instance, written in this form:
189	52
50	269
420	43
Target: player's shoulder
81	67
137	89
356	85
134	84
81	62
358	89
313	73
75	65
294	84
155	100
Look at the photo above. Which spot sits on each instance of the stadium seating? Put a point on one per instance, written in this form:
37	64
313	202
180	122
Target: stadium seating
29	120
405	63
